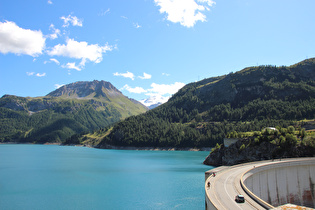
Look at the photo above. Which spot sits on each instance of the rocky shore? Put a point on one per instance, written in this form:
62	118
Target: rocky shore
235	154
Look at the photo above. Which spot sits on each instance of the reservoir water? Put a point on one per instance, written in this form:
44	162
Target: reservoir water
61	177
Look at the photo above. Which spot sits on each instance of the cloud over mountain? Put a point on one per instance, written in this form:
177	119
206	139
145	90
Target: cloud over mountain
80	50
126	75
159	92
164	89
134	90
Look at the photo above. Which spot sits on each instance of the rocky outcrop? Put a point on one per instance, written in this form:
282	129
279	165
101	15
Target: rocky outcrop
86	90
250	152
234	154
13	102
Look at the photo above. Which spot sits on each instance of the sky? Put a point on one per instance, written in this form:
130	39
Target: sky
146	48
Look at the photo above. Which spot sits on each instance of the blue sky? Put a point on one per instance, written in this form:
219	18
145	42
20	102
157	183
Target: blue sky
146	48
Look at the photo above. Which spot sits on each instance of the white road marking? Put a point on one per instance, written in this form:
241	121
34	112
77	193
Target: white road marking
225	184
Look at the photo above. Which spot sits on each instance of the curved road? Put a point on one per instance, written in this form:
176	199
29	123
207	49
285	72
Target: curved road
226	185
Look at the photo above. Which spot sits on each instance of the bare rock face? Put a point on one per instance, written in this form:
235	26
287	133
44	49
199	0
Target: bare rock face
13	102
86	89
235	154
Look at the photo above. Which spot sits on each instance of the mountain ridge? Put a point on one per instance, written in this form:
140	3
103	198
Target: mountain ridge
87	90
77	107
202	113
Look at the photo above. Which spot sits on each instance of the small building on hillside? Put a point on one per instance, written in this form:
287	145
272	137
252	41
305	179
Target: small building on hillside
270	128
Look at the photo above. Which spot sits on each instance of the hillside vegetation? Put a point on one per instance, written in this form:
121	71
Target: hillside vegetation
265	145
202	113
72	109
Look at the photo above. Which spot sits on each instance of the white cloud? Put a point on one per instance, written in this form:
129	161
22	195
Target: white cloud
55	61
37	75
40	75
165	74
154	99
132	76
104	12
134	90
71	19
163	92
145	76
136	25
157	90
81	50
58	86
71	66
157	93
52	60
185	12
126	75
163	89
30	73
14	39
56	32
49	2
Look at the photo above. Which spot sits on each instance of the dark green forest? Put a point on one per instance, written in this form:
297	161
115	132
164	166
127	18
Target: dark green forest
202	113
52	125
267	144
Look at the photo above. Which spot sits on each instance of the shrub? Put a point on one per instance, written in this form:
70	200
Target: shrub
291	129
291	139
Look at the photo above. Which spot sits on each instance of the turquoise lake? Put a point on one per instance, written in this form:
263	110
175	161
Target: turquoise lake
64	177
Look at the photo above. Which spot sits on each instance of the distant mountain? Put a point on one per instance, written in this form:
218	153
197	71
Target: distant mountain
154	101
71	109
88	90
202	113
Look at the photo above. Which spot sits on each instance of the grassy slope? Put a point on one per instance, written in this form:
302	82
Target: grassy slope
53	119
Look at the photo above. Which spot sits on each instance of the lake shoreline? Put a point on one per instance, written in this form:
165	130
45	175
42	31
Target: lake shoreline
156	148
121	147
143	148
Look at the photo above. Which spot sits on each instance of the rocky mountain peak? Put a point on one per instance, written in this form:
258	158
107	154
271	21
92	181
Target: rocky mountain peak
94	89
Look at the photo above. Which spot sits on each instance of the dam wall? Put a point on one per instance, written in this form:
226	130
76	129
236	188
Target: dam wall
284	182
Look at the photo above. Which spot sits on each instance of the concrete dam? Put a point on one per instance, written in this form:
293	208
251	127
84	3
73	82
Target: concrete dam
264	184
282	183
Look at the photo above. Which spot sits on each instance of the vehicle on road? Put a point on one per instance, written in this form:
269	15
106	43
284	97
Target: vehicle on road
239	199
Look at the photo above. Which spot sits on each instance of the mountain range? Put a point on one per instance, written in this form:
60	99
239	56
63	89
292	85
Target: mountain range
71	109
202	113
198	115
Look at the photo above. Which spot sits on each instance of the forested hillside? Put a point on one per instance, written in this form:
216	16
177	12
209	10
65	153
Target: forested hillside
72	109
202	113
270	143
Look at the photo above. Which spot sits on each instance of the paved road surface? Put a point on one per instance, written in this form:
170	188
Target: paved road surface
226	185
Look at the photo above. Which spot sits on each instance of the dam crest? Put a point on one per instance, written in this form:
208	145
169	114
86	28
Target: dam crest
264	184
